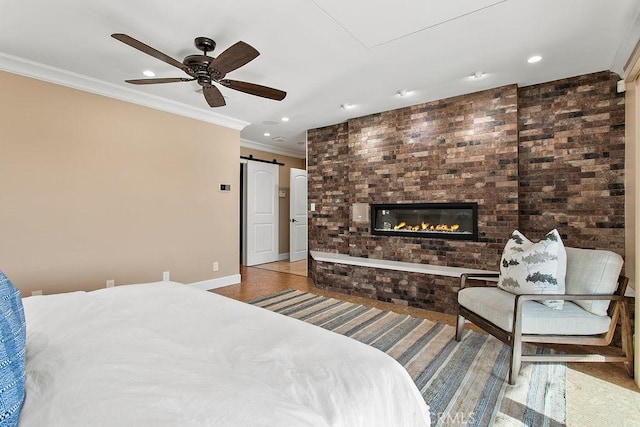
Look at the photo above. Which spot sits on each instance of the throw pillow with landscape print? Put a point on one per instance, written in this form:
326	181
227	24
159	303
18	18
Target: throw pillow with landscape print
534	268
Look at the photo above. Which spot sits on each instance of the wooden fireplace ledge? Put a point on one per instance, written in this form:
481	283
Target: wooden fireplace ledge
436	270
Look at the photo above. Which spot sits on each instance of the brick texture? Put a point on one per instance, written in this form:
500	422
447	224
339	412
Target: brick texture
327	175
572	160
534	158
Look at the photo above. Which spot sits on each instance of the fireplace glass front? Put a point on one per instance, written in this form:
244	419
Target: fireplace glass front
431	220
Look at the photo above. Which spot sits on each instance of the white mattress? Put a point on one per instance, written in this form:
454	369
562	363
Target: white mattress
166	354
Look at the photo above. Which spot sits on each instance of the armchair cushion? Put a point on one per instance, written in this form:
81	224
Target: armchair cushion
592	272
497	306
534	268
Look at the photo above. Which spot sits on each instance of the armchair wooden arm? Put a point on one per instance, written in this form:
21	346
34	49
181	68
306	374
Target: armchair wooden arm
466	276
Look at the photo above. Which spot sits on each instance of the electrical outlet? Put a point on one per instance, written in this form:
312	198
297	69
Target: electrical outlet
165	276
111	283
36	293
216	267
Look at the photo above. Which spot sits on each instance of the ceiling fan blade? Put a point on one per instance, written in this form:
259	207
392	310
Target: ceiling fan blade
254	89
233	58
150	51
159	80
213	96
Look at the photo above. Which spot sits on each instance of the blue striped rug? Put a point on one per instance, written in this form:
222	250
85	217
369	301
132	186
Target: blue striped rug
463	383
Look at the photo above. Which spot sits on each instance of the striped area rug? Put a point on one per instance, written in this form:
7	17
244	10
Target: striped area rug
463	383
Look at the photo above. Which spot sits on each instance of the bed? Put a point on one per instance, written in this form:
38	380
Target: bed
167	354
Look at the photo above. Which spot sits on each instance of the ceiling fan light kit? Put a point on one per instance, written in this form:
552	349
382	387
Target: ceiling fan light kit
207	70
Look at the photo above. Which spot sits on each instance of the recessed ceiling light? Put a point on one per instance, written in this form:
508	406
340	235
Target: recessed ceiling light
346	106
478	75
149	73
267	134
285	119
403	92
534	59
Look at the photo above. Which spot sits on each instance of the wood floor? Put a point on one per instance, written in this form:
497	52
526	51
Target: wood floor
299	268
597	393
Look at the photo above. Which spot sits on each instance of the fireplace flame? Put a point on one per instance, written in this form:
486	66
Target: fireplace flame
425	226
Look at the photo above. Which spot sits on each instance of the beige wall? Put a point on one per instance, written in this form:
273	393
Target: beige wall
631	183
289	162
632	213
92	189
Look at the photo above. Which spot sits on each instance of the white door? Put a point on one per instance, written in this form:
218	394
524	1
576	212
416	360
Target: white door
261	213
298	215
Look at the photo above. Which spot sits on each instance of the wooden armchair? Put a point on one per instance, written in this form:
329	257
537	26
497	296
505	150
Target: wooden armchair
594	304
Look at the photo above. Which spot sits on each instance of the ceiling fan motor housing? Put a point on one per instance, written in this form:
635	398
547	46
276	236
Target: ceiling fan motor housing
199	65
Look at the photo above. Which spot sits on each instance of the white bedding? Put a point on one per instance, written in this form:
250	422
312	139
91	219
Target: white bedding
166	354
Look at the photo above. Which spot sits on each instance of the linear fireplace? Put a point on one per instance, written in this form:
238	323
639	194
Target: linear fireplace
431	220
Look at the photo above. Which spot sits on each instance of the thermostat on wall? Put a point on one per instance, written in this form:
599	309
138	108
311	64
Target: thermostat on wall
225	187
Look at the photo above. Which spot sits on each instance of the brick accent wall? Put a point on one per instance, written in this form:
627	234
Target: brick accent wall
327	175
572	160
453	150
532	158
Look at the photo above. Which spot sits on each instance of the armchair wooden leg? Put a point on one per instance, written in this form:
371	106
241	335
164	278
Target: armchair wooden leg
516	359
459	328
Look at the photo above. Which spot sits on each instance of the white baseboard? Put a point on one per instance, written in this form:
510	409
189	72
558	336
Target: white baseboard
217	283
283	257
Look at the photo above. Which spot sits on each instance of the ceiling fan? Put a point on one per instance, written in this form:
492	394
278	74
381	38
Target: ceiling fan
207	70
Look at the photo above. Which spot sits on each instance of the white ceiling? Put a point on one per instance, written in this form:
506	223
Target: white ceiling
324	53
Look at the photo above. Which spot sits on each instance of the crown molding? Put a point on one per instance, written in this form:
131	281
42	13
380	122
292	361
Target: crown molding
632	68
27	68
271	149
621	59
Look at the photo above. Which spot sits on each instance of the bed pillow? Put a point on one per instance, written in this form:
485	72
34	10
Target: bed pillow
12	353
534	268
